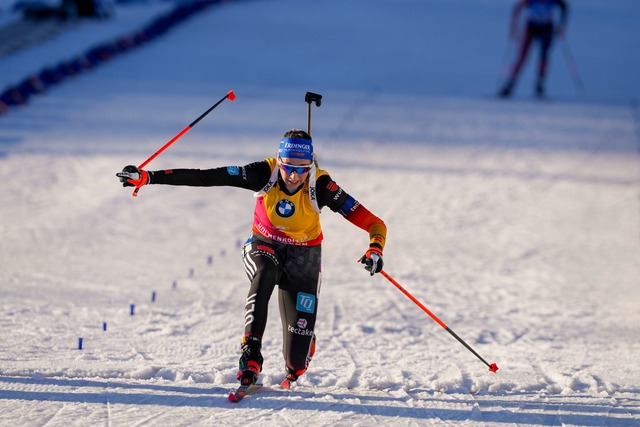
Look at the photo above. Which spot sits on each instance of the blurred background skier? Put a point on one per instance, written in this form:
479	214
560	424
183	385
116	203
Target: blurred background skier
541	24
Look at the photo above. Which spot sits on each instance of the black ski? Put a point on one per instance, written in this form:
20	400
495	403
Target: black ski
242	391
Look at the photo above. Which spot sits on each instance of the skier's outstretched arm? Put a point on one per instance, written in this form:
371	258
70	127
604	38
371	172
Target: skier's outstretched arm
330	194
252	176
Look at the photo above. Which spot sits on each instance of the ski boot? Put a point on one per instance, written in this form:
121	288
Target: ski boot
540	88
506	90
293	375
251	360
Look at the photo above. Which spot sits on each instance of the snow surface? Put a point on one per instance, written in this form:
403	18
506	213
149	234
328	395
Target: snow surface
516	222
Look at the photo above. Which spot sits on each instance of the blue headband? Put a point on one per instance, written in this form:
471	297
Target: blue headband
296	148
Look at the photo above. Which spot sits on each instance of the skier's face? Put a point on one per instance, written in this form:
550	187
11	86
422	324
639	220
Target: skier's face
294	171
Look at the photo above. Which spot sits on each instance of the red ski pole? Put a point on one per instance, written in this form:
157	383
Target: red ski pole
230	95
492	367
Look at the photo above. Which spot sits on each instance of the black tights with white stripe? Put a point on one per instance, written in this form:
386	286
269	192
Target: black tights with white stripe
296	271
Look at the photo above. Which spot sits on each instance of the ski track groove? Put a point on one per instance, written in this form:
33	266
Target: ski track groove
53	416
357	372
108	405
468	387
284	419
412	395
548	381
176	403
454	399
466	381
626	409
350	352
608	415
336	334
476	412
369	414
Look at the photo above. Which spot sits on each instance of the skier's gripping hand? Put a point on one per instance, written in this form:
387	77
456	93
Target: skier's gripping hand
131	176
372	260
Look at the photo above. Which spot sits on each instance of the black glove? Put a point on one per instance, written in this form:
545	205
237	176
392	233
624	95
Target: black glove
131	176
372	260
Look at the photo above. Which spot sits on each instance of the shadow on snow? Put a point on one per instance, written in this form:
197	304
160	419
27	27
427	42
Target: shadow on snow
552	411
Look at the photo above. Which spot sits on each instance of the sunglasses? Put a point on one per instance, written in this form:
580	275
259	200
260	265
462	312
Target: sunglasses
289	169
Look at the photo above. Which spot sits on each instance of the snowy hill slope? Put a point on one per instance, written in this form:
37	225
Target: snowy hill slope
516	222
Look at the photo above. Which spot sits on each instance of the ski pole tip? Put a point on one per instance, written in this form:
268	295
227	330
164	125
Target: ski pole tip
231	95
493	368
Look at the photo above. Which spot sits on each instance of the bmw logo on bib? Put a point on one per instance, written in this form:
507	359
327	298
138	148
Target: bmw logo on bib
285	208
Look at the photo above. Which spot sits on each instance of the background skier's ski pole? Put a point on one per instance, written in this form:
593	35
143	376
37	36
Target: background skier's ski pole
505	66
492	367
572	66
230	95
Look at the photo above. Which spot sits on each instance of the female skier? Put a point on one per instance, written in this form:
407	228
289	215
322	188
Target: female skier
284	246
